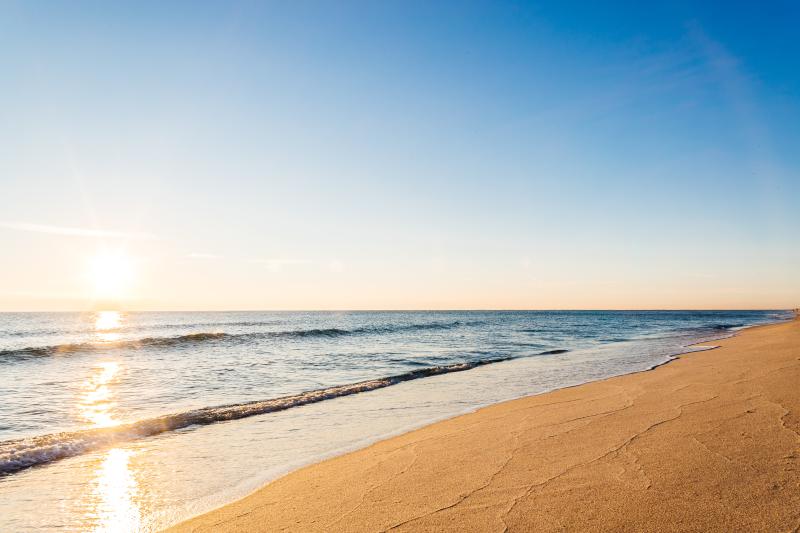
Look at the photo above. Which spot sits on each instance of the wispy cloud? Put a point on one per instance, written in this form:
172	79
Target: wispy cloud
201	255
73	232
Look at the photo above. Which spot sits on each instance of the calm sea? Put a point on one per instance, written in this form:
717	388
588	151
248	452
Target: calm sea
133	421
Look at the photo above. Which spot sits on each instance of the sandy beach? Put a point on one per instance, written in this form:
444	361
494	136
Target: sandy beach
709	442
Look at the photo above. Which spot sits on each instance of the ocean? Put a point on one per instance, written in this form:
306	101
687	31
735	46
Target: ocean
133	421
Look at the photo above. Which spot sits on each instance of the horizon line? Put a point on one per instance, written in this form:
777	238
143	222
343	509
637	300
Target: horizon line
409	310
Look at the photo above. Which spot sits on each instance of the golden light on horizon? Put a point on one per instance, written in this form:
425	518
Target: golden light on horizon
106	324
110	274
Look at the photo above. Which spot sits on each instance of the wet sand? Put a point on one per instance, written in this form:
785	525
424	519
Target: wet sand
709	442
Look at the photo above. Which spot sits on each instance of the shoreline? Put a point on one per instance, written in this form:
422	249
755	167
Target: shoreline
359	472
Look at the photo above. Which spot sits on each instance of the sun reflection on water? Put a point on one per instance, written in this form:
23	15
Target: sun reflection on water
96	403
116	491
115	487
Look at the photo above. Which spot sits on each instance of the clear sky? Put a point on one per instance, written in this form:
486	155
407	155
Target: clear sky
399	155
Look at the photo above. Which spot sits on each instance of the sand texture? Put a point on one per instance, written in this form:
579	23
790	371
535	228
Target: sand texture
709	442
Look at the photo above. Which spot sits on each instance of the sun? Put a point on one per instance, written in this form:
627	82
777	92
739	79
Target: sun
110	274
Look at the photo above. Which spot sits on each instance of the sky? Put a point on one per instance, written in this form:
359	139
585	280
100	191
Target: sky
399	155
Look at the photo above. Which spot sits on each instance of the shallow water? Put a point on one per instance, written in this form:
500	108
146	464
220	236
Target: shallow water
133	421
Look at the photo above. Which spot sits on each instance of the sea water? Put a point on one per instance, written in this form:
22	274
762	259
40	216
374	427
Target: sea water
133	421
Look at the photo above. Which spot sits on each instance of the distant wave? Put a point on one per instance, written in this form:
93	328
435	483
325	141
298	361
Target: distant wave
29	332
89	329
19	454
191	338
238	323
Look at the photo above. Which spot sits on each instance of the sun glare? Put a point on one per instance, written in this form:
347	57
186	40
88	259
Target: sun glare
107	325
110	273
107	320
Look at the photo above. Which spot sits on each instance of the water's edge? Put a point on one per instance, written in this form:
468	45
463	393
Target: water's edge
19	454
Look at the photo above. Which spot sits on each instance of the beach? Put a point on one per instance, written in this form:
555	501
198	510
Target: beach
414	266
708	442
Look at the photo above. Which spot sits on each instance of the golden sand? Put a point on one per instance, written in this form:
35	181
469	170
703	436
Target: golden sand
706	443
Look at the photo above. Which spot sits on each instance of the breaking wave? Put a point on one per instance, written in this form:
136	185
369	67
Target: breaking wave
58	349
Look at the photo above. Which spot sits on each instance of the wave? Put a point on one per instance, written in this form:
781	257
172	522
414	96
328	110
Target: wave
19	454
553	352
58	349
192	338
726	326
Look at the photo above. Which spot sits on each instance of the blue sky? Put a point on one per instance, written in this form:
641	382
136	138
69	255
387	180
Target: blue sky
401	155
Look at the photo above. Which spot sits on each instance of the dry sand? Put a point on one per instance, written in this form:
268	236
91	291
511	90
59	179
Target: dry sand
706	443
